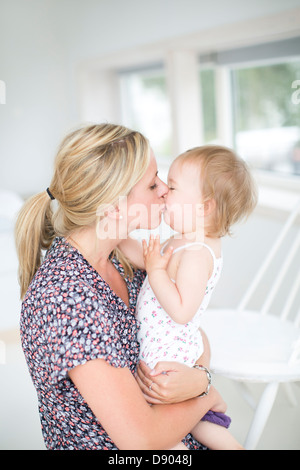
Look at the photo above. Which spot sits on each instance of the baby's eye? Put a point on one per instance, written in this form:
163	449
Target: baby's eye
153	186
171	188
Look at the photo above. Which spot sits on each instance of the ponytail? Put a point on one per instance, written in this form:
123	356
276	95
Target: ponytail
33	234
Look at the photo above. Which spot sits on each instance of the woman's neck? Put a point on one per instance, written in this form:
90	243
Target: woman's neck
96	251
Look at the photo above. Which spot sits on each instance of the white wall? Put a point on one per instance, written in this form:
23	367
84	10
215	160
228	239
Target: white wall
43	45
32	65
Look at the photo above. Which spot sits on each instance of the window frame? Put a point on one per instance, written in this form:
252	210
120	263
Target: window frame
153	70
224	62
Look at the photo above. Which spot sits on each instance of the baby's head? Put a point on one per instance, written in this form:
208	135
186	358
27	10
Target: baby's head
223	184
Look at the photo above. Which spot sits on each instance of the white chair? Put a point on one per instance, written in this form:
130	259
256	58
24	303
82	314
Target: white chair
250	345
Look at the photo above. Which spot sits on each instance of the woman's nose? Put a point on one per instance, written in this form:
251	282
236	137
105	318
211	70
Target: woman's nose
162	189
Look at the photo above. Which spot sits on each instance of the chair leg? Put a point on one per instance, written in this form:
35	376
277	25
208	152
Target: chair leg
261	415
290	394
246	394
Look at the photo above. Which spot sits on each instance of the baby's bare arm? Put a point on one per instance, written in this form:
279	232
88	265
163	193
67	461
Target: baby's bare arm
182	298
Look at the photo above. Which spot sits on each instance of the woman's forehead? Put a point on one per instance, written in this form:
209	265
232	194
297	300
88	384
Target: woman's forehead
152	167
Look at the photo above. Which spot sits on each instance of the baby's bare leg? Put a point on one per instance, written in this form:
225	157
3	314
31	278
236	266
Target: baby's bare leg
215	437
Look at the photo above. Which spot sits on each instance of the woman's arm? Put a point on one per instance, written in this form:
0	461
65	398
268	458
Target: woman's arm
118	403
172	382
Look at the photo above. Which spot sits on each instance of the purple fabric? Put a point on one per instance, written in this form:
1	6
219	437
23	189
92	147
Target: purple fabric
217	418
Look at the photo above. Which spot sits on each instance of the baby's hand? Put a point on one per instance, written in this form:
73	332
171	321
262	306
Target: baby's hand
152	257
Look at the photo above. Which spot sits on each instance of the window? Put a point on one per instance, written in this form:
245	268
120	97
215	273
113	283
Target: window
251	101
208	98
145	107
266	119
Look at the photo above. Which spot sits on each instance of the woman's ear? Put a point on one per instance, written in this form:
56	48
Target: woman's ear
114	213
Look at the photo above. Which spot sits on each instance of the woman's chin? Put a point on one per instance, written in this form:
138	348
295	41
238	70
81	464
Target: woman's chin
154	222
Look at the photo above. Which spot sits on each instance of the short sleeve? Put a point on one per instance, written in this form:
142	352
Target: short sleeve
80	328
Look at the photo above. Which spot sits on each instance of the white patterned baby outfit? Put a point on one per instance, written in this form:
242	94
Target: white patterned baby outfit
160	337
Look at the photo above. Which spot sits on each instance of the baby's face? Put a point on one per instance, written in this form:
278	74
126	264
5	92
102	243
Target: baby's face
184	199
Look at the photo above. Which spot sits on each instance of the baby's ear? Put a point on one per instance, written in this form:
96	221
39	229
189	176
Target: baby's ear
206	208
209	206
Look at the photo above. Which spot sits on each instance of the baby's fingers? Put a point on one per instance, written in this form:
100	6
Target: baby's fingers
151	242
157	243
168	253
145	248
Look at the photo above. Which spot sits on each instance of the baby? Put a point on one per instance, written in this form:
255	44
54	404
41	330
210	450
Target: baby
210	189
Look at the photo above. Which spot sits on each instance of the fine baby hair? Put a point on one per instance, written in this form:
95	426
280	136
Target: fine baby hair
226	179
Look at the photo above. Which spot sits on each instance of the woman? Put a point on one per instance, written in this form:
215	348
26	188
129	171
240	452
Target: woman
78	327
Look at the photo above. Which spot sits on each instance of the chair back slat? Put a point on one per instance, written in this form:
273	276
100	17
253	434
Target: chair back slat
281	275
295	356
290	299
265	265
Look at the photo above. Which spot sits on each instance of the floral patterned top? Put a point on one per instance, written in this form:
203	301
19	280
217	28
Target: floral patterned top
69	316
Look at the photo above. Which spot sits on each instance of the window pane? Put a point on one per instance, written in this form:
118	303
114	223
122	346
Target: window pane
145	107
266	117
207	86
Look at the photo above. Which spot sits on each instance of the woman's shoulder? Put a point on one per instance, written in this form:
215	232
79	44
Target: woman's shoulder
63	269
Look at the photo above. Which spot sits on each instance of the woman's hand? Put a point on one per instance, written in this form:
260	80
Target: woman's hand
170	382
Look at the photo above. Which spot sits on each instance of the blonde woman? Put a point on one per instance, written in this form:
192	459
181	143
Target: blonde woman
78	326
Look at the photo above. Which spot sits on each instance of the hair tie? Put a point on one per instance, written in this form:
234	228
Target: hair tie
50	194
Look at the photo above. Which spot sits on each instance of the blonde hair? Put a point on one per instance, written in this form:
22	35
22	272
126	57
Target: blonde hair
226	178
94	166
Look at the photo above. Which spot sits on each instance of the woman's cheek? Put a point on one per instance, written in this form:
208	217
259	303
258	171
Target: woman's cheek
155	215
